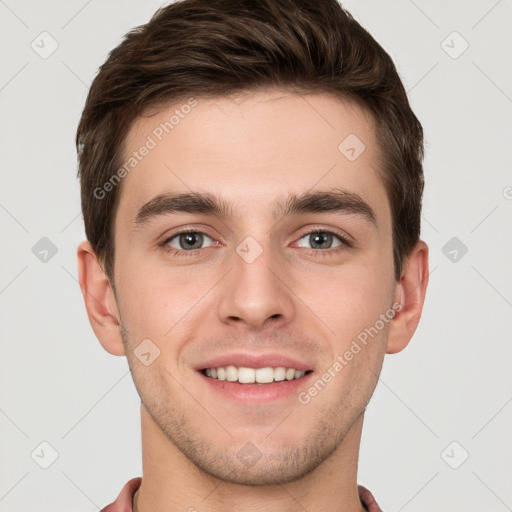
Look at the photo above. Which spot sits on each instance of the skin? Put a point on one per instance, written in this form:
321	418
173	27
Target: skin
307	302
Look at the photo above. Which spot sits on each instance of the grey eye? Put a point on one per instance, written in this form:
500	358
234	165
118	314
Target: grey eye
321	240
188	241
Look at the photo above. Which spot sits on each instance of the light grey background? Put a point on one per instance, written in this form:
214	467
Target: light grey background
453	382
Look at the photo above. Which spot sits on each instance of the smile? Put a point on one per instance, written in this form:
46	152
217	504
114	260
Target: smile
244	375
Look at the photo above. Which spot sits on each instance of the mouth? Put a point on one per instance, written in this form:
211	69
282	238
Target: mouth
258	376
253	385
254	378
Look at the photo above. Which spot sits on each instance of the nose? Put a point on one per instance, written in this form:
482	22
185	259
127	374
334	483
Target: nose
255	293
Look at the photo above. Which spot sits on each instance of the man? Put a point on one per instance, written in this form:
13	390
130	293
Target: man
251	188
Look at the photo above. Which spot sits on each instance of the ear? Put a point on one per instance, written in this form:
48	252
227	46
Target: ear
100	300
410	293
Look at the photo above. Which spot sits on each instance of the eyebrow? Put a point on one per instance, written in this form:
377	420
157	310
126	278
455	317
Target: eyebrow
334	200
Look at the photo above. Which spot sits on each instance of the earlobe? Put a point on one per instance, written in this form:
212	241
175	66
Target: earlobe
410	293
99	299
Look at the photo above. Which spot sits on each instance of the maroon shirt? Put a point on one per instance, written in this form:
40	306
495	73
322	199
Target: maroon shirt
124	501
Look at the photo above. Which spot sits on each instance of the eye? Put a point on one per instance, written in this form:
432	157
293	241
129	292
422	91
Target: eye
321	240
187	241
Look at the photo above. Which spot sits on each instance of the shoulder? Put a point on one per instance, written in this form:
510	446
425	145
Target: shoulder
123	502
367	499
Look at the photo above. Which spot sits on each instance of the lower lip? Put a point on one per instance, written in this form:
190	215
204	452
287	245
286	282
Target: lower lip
257	393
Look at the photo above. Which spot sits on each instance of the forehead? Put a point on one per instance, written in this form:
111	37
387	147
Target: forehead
250	147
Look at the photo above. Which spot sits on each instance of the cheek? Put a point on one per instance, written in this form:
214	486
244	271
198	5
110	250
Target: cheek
351	299
155	301
352	305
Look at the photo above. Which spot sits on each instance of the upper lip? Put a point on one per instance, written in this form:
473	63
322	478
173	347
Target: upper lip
240	359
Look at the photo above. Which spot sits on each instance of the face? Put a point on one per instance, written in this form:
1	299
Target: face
285	262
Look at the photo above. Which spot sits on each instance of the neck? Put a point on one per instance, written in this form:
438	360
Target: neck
173	483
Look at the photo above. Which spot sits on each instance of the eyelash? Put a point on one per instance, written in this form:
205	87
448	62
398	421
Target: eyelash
324	252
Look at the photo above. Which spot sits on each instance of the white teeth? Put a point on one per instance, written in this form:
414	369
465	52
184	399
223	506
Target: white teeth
264	375
290	374
245	375
280	373
231	373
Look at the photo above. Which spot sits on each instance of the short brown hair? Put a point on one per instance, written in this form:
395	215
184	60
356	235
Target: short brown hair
211	48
